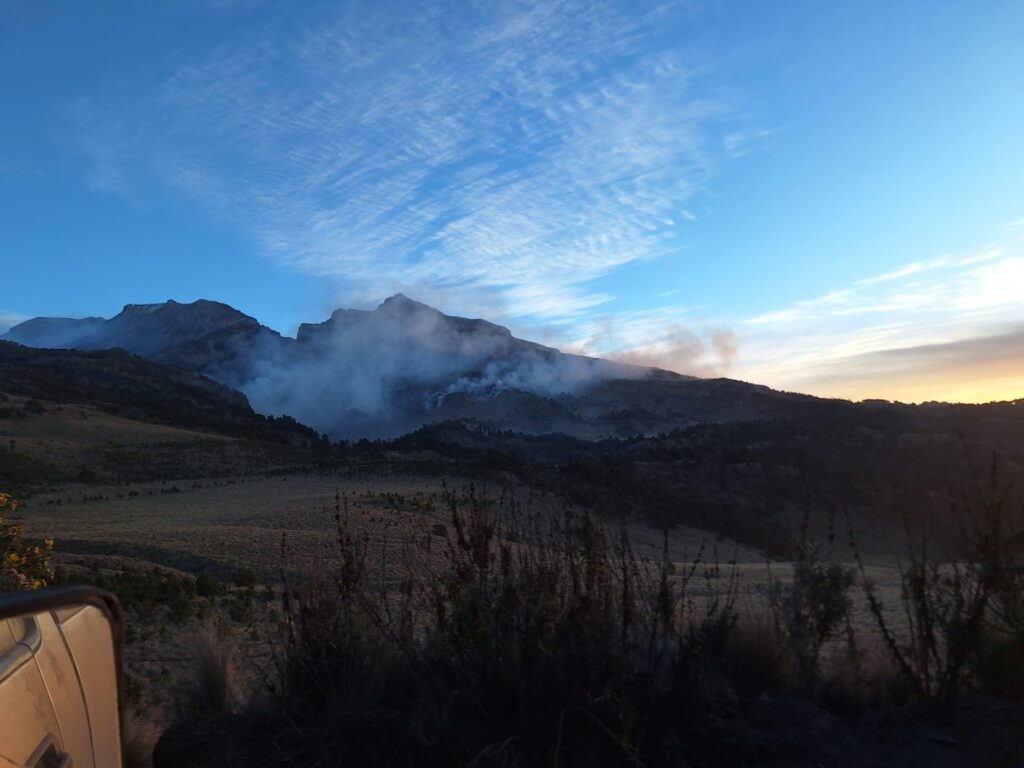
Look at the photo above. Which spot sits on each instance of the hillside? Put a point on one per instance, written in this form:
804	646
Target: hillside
753	479
120	383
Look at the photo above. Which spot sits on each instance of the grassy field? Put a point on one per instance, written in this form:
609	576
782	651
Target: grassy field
284	526
223	524
201	535
228	506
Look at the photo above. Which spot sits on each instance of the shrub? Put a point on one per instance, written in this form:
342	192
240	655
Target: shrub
813	609
216	687
245	577
22	565
540	641
963	603
139	736
755	656
179	608
208	586
147	593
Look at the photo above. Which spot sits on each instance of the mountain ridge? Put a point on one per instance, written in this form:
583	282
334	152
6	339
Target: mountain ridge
395	368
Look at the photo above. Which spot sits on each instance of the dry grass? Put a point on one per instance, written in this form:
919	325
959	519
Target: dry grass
218	684
223	524
140	735
552	642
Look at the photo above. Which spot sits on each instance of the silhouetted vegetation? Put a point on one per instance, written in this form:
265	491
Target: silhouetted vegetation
962	599
543	640
551	642
151	594
750	480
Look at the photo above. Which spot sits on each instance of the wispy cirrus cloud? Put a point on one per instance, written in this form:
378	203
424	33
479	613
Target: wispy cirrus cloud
520	149
944	328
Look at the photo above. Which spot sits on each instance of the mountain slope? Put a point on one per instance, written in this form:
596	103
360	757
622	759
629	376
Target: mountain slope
204	336
390	370
54	332
118	382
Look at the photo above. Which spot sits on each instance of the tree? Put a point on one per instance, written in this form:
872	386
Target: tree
22	565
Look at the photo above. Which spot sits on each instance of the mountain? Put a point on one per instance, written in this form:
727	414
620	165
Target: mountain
54	332
402	310
404	364
204	336
390	370
439	345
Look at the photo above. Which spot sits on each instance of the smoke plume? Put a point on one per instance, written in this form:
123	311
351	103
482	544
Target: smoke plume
384	372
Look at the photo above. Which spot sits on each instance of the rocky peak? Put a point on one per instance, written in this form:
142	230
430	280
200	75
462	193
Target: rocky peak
401	302
200	310
394	313
144	309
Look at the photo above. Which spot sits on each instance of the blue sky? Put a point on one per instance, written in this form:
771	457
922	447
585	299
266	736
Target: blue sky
823	197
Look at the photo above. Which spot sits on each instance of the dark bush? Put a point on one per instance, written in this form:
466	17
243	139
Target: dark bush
208	586
962	595
245	577
560	649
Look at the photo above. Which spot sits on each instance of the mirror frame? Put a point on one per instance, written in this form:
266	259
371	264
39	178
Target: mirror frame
15	604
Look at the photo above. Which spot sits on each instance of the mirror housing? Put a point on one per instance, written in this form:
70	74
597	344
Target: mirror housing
61	679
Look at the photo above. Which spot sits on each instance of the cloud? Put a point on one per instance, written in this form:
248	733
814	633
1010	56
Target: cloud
981	368
739	143
522	148
917	267
931	329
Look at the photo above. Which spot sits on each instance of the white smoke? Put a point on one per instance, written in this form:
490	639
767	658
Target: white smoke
680	349
385	372
362	373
